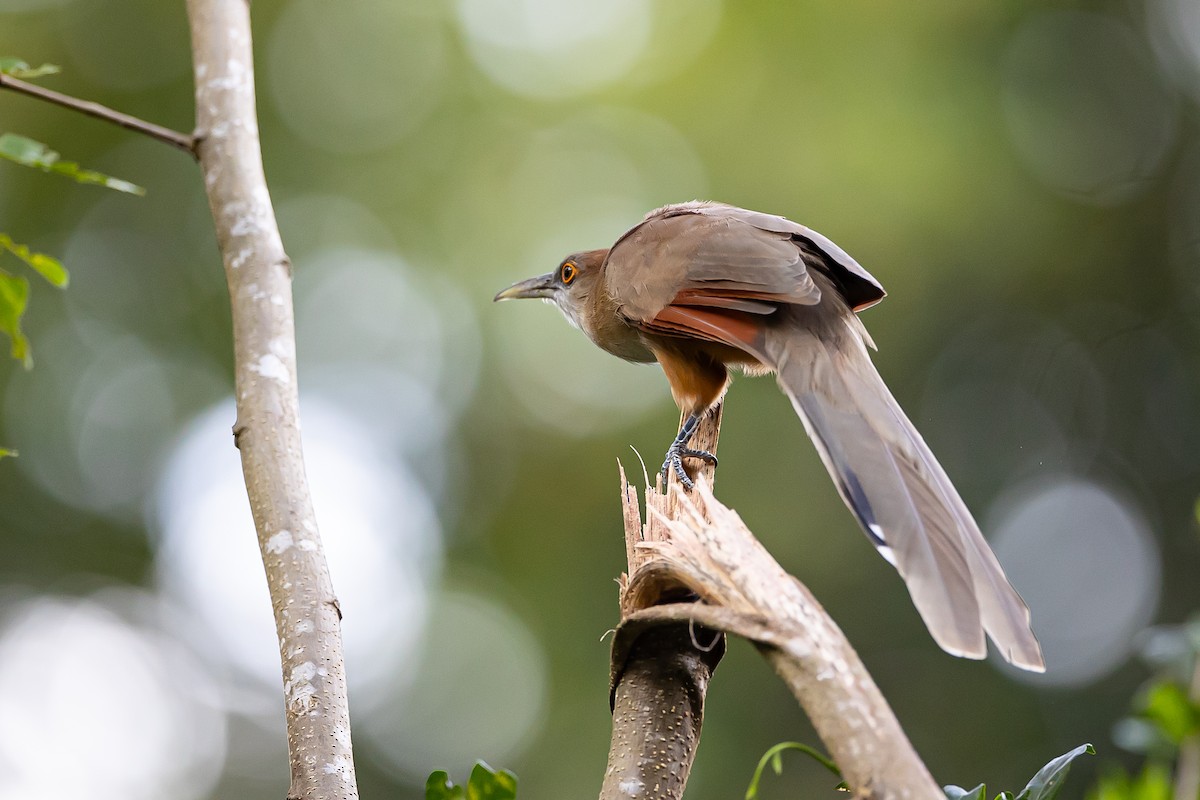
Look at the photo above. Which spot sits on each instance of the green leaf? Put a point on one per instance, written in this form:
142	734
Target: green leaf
14	296
958	793
1046	784
1154	783
440	787
48	267
485	783
25	151
19	69
7	453
1168	706
489	784
30	153
773	756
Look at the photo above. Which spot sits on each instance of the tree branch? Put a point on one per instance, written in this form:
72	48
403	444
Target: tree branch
174	138
706	548
660	674
267	430
658	708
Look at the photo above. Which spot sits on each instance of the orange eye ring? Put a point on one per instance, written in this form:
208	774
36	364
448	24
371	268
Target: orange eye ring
568	272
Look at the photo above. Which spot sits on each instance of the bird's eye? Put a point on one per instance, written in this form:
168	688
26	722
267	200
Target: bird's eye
568	272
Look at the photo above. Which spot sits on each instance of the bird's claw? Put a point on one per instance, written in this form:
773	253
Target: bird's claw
674	462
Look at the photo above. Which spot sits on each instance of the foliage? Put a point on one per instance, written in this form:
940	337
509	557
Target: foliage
14	289
1166	706
1166	715
14	297
485	783
48	267
14	293
1153	783
1045	785
30	153
20	69
774	757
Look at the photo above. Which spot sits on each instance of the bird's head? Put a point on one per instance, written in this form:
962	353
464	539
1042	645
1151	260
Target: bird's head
568	287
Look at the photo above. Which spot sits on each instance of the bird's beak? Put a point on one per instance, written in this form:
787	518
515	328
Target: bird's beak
541	286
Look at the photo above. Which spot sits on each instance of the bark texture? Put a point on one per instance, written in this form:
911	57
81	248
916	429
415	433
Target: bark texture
267	431
658	710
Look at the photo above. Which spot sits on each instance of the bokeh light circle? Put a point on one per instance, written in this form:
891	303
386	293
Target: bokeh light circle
555	48
1088	566
479	691
1174	30
1085	105
381	536
400	350
96	706
357	76
95	418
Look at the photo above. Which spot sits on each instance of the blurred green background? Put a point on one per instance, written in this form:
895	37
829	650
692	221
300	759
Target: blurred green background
1023	178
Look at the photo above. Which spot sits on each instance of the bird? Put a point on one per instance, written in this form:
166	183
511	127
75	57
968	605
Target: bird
704	288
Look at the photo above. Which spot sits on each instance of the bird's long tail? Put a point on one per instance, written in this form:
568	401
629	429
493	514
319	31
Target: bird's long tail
899	493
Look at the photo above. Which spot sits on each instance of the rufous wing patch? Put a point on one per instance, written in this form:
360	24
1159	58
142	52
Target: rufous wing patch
734	328
734	300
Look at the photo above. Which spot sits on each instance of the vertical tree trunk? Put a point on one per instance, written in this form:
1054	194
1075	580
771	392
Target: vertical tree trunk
267	431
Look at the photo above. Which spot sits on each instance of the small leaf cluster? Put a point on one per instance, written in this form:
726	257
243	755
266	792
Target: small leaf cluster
1045	785
30	153
14	289
1164	712
485	783
1166	715
14	293
1152	783
20	69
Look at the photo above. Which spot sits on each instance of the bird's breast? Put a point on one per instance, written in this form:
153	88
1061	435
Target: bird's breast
611	332
622	341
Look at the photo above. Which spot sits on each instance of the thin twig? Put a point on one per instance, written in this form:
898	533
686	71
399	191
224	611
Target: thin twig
183	141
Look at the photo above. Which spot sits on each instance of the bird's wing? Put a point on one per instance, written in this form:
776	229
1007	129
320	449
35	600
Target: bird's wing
854	283
705	276
711	271
858	286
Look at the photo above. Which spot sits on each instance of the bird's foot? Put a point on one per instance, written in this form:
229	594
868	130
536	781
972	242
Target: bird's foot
674	462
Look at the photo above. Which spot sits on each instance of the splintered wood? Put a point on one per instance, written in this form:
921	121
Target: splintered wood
691	547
